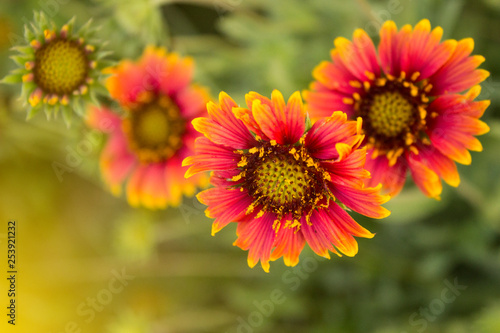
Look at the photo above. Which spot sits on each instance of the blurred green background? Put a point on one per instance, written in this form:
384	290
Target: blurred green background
432	267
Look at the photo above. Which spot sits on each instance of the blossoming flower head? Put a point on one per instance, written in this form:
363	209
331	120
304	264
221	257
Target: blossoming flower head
59	68
283	185
148	143
409	96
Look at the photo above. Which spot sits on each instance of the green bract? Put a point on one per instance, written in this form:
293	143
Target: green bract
59	69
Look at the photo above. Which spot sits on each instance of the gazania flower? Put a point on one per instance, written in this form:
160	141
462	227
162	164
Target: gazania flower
148	143
409	95
59	69
283	185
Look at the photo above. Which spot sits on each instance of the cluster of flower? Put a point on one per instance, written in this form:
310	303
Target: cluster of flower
286	172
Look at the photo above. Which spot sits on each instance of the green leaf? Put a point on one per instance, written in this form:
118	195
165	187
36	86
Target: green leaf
25	50
20	59
78	107
12	79
33	112
67	116
86	28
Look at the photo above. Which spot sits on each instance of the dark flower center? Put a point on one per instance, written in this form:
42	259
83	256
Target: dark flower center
154	129
284	180
394	115
61	67
390	113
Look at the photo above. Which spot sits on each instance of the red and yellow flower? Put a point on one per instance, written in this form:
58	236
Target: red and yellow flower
410	96
149	141
283	183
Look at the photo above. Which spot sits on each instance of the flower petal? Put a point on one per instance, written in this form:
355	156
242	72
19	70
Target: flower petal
333	226
455	123
425	52
392	177
222	127
323	138
459	72
209	157
125	82
225	205
358	56
365	200
257	236
103	119
135	186
288	244
348	171
426	179
192	101
283	123
393	47
116	161
335	77
154	187
324	103
443	166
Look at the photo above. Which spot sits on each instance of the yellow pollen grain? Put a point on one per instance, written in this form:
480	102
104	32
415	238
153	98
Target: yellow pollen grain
422	112
355	84
381	82
276	225
250	208
409	139
347	100
242	162
414	150
236	178
413	91
366	85
370	75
